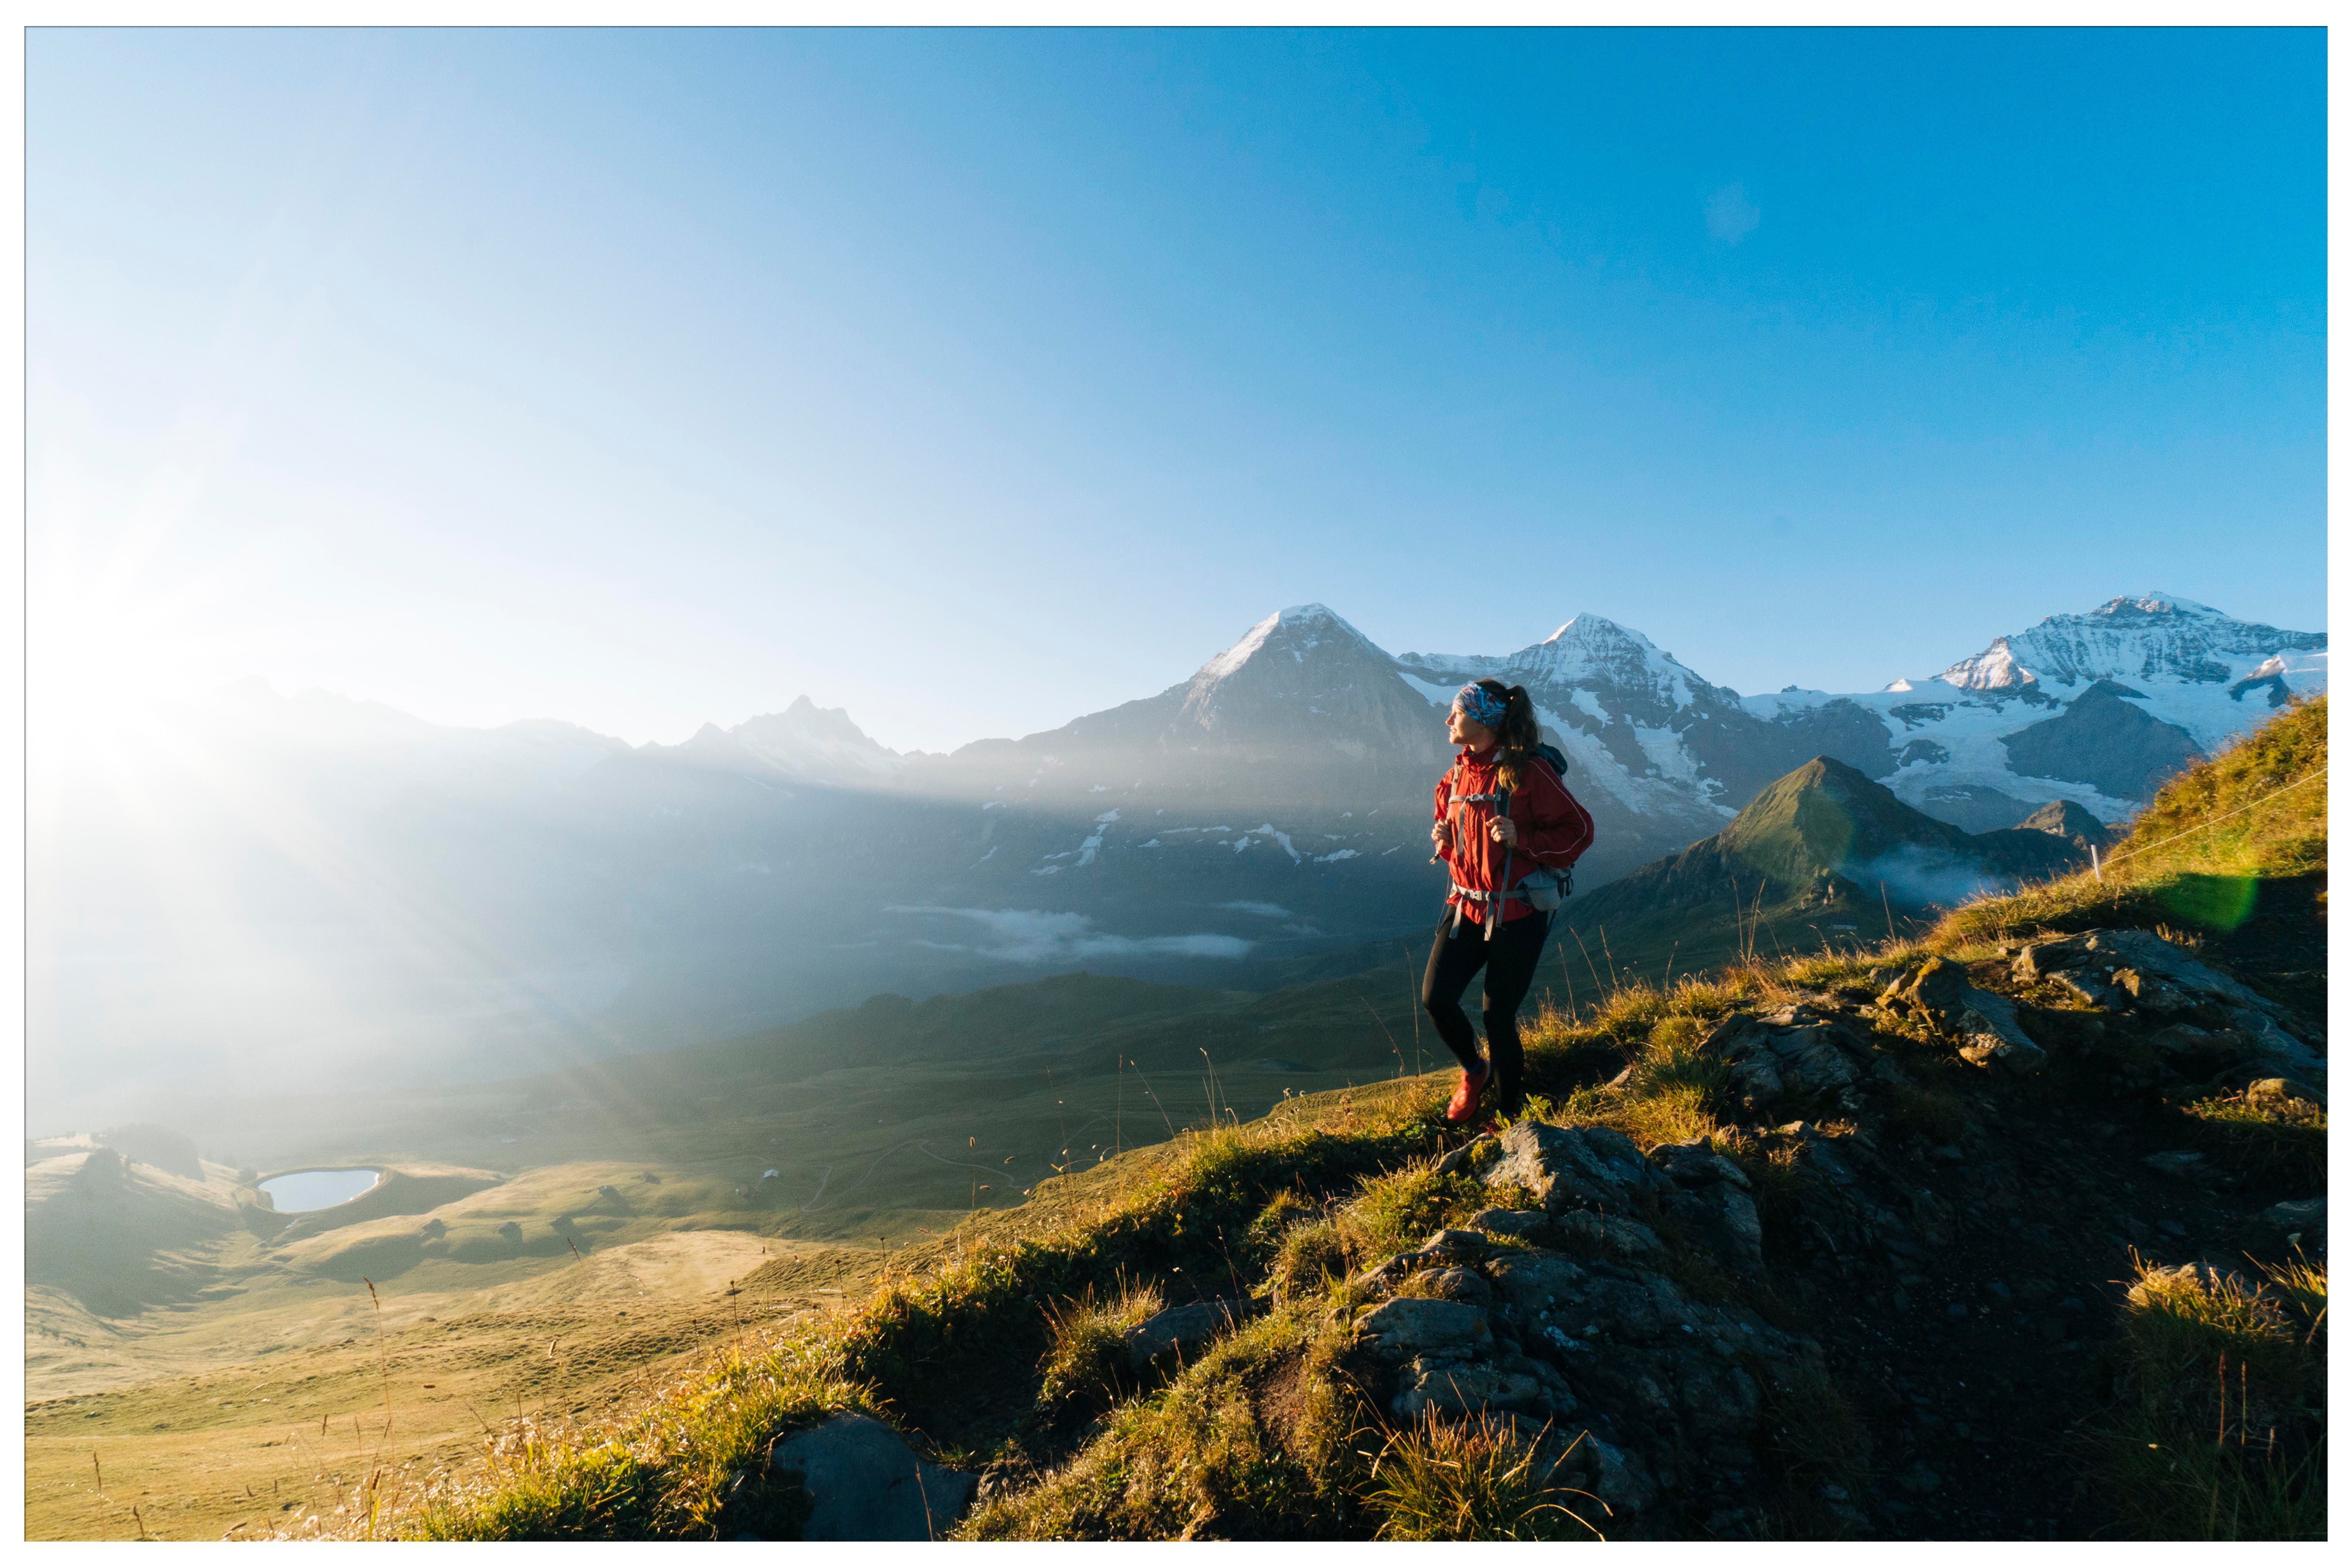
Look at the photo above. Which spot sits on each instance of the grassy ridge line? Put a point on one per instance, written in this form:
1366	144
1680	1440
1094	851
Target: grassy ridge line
2181	860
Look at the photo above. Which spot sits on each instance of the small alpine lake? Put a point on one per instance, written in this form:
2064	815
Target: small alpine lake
301	1192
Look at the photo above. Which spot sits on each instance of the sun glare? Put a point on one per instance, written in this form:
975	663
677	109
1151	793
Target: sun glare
109	680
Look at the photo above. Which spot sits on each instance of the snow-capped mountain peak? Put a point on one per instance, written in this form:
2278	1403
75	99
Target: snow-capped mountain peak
1592	650
1995	669
2155	602
1297	631
817	744
1589	652
2152	637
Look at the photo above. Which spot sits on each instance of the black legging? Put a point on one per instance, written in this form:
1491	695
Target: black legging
1511	964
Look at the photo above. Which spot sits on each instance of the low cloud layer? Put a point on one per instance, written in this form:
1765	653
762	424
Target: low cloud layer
1917	876
1253	907
1037	937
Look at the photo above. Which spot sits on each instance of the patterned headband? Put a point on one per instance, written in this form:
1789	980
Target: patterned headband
1480	704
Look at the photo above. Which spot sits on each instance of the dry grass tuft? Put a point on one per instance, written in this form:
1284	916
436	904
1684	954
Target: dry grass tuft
1397	1211
2225	1436
1474	1479
1311	1255
1085	1356
1249	1441
2274	1138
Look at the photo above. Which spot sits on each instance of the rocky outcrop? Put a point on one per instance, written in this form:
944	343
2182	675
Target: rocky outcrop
1982	1024
1573	1167
1798	1051
865	1484
1587	1305
2197	1013
1632	1386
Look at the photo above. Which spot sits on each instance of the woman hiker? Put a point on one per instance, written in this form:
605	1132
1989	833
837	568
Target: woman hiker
1507	830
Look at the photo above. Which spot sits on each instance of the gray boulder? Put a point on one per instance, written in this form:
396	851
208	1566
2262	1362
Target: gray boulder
1798	1049
1413	1325
2149	954
1614	1234
1530	1287
1570	1167
1179	1329
866	1485
1694	1164
2111	968
1984	1025
1456	1284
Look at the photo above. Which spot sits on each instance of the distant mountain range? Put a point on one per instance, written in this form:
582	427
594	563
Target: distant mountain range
1824	855
1306	711
326	886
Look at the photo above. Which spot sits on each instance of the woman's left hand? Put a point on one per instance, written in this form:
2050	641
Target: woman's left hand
1504	831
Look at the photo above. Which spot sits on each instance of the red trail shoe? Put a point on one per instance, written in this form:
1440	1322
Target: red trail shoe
1465	1103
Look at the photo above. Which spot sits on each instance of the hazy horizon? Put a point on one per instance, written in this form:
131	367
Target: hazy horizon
729	720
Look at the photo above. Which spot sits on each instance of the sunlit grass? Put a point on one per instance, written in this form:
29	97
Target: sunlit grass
2224	1437
2282	1139
1251	1440
1473	1479
1085	1356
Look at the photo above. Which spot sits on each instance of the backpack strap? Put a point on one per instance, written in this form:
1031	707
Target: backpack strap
1495	906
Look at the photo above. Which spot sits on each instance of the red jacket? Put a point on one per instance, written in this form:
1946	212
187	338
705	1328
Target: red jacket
1553	830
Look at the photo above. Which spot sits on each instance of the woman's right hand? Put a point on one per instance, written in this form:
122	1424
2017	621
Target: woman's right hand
1440	835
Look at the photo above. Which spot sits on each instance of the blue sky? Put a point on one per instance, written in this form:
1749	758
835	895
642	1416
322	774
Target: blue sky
976	380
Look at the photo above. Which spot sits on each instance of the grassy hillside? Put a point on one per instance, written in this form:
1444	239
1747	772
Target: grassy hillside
988	1349
1972	1370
